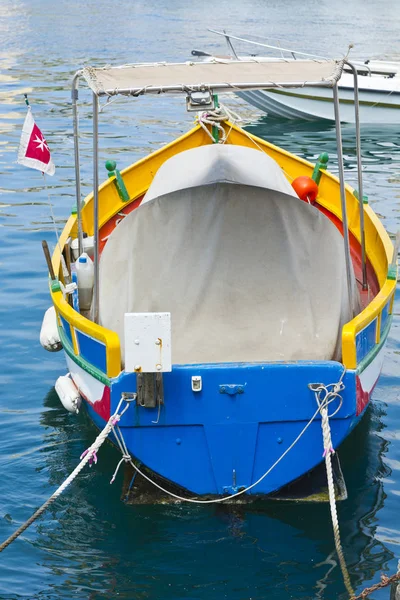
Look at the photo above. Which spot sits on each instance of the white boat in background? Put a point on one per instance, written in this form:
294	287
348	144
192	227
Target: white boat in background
378	82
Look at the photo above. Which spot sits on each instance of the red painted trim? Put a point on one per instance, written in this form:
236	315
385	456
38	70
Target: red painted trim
355	251
362	397
103	406
109	227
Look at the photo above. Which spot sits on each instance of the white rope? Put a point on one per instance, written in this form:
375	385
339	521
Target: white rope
324	395
89	456
223	113
127	458
215	118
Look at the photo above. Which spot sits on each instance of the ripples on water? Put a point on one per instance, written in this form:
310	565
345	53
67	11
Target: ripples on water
90	544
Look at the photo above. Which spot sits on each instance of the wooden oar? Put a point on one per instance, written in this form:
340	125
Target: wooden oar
48	259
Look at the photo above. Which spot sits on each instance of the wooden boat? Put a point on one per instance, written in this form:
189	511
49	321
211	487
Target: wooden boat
268	294
378	82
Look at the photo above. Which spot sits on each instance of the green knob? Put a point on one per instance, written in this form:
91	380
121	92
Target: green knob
324	158
111	165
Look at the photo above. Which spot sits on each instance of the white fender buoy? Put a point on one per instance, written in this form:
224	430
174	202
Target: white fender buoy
68	393
49	338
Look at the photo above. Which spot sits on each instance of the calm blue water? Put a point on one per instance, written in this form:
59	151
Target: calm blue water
90	545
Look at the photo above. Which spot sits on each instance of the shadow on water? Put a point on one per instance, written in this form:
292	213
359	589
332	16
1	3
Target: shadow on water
99	547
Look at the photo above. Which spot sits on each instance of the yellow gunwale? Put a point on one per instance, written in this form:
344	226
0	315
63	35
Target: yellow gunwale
137	179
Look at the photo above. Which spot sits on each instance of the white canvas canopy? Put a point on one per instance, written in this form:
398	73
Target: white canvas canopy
216	75
248	271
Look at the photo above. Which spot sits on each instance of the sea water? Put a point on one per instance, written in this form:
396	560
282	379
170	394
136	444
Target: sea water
90	545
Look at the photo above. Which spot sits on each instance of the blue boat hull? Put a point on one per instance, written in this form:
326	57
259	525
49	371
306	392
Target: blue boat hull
225	437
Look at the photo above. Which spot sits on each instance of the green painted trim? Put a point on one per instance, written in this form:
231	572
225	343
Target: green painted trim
357	195
392	272
55	285
215	130
342	100
377	348
119	183
81	362
321	165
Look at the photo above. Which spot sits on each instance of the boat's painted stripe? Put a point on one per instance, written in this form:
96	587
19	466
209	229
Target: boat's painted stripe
81	362
107	337
376	349
367	380
369	376
374	310
138	177
92	390
91	350
66	329
385	314
342	100
366	340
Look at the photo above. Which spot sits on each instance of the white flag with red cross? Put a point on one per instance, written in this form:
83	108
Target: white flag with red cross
33	150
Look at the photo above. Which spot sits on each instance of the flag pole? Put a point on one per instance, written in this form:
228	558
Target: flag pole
26	99
65	271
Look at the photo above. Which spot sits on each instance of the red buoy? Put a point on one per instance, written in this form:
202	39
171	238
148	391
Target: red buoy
305	188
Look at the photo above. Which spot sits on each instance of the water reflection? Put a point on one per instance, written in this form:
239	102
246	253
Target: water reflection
97	546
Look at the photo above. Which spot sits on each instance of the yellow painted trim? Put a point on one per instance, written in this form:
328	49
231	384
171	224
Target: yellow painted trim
138	178
109	338
351	329
391	304
378	329
74	340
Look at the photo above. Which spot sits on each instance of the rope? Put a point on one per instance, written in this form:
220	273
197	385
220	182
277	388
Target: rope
215	118
127	458
89	456
324	395
223	113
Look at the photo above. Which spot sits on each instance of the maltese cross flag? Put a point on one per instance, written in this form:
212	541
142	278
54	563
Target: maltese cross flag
33	150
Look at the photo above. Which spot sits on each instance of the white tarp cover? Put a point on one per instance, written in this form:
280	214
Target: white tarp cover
218	164
248	272
236	74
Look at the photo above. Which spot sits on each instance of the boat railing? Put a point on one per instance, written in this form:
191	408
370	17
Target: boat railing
362	68
269	46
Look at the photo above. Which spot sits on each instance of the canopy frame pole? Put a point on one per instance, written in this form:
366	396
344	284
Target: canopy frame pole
343	194
74	96
359	175
95	303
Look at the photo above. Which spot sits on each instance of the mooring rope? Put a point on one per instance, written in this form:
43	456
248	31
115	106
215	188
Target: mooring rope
324	395
219	115
89	456
128	459
215	118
